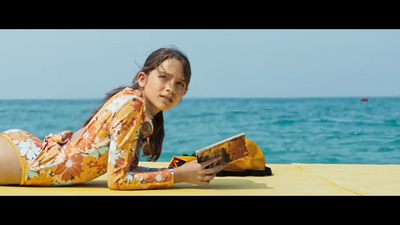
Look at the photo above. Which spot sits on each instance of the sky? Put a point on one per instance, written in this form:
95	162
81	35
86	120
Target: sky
226	63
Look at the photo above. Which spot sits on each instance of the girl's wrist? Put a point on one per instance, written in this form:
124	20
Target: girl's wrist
177	175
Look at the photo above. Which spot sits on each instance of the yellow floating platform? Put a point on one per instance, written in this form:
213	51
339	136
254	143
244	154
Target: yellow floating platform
288	179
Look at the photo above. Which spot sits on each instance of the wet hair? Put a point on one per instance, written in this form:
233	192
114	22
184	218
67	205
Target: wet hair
152	62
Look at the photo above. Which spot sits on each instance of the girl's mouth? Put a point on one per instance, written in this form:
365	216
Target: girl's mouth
166	98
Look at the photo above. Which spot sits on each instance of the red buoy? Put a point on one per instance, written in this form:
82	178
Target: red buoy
364	99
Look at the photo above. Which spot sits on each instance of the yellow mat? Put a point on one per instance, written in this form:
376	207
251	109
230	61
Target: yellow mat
288	179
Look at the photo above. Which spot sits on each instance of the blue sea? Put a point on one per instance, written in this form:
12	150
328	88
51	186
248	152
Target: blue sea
288	130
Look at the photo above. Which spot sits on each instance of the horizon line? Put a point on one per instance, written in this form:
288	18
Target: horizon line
297	97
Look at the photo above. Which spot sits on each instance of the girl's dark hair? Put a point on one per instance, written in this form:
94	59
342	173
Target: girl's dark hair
151	63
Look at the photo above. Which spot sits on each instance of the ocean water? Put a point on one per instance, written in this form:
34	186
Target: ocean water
288	130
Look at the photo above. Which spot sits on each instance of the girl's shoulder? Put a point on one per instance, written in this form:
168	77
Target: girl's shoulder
124	98
136	96
128	93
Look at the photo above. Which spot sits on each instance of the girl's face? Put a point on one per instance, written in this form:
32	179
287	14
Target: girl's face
164	87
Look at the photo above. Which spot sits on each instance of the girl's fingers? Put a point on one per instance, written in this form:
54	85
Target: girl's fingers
214	169
205	180
210	161
202	182
208	177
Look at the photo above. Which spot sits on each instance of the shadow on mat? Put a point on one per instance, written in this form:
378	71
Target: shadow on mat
89	184
226	184
93	184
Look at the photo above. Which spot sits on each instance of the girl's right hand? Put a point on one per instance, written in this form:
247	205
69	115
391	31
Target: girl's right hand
197	173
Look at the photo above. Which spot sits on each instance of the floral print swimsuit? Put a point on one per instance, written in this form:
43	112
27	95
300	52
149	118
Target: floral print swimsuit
110	144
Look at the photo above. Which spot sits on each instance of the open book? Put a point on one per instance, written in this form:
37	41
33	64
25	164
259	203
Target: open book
230	149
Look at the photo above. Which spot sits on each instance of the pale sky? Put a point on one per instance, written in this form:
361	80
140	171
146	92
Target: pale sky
71	64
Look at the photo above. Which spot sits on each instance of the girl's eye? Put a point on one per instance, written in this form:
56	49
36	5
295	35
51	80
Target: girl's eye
162	76
182	84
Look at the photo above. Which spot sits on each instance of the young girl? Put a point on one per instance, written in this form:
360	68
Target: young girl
127	124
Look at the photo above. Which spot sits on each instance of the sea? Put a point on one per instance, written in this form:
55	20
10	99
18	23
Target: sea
342	130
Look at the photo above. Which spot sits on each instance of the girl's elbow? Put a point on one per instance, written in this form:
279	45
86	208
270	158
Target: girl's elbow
111	185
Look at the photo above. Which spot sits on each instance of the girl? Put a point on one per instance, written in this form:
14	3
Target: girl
127	124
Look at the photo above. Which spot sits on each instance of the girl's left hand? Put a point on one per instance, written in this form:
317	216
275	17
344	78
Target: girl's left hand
197	173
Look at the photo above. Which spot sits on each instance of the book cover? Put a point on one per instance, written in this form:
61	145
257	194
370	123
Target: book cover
231	149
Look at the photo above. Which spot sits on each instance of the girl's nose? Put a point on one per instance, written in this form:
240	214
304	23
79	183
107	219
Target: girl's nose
170	87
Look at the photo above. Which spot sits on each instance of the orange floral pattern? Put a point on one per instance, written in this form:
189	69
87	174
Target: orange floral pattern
108	144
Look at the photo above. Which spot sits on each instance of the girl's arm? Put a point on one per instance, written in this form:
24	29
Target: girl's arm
122	169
